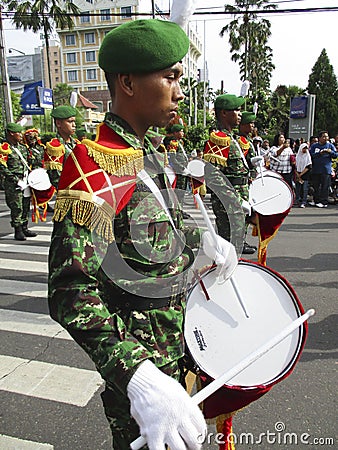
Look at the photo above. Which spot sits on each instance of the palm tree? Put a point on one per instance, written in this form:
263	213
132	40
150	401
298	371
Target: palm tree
42	15
248	37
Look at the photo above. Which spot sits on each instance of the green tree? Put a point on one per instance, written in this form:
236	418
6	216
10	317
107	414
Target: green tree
36	16
323	83
248	38
279	109
61	94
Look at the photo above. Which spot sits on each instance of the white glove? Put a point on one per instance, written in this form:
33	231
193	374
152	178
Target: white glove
164	411
224	254
246	207
257	161
22	184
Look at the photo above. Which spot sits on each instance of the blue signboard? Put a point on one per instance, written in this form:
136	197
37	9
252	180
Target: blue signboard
298	108
29	99
45	97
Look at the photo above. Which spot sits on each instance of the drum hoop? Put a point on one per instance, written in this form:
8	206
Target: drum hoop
301	330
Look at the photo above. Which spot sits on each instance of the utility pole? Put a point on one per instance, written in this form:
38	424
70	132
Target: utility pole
7	111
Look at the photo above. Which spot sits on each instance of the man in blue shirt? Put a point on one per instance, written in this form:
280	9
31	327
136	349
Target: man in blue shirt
322	153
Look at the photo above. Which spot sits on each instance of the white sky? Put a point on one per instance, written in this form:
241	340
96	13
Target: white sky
297	41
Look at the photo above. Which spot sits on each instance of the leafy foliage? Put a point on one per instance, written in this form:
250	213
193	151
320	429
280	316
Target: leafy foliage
323	83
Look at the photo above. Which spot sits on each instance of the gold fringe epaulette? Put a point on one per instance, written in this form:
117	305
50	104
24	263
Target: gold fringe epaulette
223	141
119	162
55	148
52	165
215	159
244	143
85	212
5	148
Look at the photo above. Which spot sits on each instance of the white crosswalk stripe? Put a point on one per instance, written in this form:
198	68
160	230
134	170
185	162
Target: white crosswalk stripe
56	379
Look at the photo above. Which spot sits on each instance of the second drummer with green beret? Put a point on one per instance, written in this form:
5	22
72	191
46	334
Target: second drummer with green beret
224	151
58	149
116	264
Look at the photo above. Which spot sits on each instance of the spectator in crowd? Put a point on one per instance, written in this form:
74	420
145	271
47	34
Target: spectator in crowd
303	168
282	158
322	153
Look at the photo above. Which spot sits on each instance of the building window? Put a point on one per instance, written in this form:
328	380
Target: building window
90	56
126	12
55	53
56	62
105	14
91	74
56	78
71	58
70	39
72	75
90	1
56	70
89	38
85	18
92	88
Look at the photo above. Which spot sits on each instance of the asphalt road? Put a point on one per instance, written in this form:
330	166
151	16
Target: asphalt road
299	412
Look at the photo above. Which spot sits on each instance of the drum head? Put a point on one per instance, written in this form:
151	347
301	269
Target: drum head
219	335
269	173
270	195
38	179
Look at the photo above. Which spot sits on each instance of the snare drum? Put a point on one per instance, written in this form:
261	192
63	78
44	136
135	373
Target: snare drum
219	335
42	192
270	195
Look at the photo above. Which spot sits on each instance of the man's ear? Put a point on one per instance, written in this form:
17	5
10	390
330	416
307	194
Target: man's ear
125	82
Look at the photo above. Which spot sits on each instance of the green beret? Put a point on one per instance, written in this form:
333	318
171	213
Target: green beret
63	112
247	117
176	127
14	127
229	102
143	46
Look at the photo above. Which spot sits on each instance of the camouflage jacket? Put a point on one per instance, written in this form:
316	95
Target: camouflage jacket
11	165
91	281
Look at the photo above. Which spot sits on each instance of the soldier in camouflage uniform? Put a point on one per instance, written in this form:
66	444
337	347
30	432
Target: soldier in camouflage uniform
64	118
178	159
224	151
35	146
117	263
246	129
15	163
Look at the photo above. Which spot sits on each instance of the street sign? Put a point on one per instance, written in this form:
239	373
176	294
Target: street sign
45	97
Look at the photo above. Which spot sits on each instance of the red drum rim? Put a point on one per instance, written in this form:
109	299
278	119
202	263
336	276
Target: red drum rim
300	339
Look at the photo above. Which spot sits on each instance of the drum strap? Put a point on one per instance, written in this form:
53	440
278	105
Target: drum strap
22	158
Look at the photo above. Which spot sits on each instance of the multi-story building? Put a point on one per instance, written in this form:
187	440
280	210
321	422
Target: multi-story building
55	67
80	46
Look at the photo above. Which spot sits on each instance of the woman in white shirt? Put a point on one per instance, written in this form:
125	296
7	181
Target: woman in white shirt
282	158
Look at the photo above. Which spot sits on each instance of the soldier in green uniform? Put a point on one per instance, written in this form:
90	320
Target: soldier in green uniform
224	151
246	129
15	163
118	263
64	119
178	159
35	146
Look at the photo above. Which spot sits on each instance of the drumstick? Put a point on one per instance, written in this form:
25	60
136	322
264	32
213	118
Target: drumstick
213	233
265	200
242	365
201	282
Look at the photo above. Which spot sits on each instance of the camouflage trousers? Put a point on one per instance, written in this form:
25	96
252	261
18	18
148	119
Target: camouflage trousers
117	409
230	229
17	203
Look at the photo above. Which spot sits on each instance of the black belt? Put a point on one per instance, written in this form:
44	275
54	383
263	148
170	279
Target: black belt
136	303
239	181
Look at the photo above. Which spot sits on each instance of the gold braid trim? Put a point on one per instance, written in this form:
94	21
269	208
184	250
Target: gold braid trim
244	145
55	151
223	141
3	162
117	162
53	165
85	212
215	159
